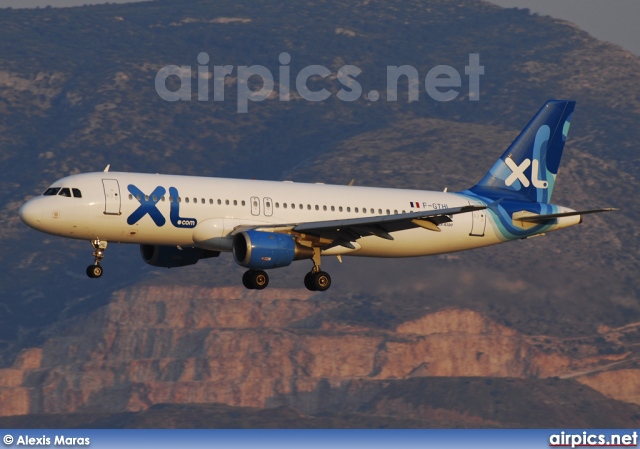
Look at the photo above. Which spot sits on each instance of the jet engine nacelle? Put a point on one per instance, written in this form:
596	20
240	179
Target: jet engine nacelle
262	250
172	256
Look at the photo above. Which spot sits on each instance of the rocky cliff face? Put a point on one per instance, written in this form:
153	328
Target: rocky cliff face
185	345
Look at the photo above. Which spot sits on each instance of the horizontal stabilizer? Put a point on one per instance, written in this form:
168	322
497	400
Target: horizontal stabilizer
543	218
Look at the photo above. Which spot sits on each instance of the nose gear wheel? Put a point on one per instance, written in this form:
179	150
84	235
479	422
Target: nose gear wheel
95	270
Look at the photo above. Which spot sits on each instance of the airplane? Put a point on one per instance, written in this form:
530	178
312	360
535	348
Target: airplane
178	220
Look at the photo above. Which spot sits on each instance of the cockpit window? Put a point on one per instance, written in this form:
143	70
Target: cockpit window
51	191
65	192
76	193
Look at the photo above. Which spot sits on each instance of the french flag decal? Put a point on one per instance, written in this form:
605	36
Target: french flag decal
416	204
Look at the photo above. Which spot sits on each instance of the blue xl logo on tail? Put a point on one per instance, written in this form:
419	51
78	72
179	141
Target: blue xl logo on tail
517	173
148	205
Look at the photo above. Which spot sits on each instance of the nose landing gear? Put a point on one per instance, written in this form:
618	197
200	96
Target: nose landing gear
95	270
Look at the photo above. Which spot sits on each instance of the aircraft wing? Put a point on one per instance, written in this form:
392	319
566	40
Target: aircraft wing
331	233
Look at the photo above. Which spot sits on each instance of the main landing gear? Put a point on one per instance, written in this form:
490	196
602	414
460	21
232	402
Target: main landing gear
95	270
255	279
317	280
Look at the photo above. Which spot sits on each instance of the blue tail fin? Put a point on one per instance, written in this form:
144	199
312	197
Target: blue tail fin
528	169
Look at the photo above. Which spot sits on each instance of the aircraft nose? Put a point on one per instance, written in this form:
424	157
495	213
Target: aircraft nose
31	213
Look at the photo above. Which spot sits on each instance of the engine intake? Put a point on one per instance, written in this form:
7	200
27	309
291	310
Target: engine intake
171	256
262	250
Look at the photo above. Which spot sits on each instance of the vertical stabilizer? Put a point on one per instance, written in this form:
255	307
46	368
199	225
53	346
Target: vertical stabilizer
528	169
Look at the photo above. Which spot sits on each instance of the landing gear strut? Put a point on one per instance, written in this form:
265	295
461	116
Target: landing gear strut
95	270
317	280
255	279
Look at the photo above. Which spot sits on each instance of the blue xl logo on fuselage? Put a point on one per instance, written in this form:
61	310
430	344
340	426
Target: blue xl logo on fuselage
174	215
148	205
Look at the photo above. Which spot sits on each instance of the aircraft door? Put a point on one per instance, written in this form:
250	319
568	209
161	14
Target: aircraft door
268	207
478	222
255	205
111	196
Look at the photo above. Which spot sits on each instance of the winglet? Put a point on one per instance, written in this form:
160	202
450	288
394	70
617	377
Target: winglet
106	169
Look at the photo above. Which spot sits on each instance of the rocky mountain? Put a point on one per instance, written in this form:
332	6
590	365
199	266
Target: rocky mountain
283	349
77	92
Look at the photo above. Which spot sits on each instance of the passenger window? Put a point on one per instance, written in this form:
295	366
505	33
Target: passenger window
186	199
235	202
155	198
388	212
348	209
277	205
308	206
333	208
51	191
268	204
243	203
65	192
195	200
284	205
301	206
76	193
210	201
171	199
293	206
202	200
146	197
219	201
372	211
179	200
317	207
380	211
130	196
340	208
356	210
324	207
162	198
226	202
395	211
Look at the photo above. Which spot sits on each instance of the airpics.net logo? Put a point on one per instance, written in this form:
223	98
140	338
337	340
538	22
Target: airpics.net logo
257	83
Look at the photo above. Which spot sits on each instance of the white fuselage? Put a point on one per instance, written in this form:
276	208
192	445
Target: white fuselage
209	209
179	220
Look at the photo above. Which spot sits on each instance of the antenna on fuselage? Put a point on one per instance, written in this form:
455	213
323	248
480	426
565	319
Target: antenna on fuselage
106	169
